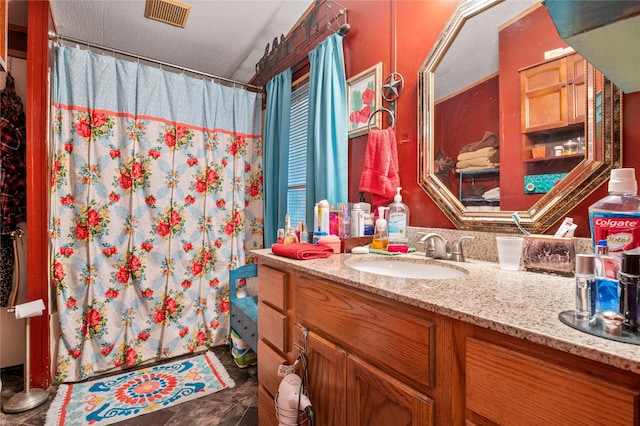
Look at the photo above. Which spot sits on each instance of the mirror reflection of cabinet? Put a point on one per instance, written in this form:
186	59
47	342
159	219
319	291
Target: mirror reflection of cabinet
553	94
524	33
553	111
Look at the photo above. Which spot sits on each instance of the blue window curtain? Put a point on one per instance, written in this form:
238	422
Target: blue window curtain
327	150
276	154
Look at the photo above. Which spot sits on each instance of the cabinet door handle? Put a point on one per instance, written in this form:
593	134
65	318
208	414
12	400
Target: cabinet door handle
570	81
563	85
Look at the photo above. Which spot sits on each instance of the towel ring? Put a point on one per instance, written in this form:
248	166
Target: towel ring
382	109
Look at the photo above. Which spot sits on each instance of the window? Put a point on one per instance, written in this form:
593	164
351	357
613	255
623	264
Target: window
297	189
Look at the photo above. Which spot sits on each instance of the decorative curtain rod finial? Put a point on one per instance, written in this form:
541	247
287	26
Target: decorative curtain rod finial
344	29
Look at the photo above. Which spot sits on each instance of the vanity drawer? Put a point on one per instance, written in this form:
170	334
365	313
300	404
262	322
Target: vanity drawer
269	361
510	387
397	338
235	317
273	287
273	327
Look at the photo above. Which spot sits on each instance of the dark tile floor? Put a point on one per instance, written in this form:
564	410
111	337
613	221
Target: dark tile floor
237	406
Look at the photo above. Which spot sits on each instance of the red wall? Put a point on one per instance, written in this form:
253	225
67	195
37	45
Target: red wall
463	119
401	34
518	50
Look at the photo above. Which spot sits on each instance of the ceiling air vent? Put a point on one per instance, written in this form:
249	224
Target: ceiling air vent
170	11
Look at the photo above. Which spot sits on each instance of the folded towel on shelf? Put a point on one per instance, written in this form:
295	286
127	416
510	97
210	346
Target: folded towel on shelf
493	193
488	140
380	173
301	251
482	152
495	158
475	162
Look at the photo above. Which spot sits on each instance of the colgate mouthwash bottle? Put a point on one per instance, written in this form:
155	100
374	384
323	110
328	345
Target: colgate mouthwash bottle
616	218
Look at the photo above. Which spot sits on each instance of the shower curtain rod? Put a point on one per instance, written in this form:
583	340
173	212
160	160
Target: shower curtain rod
58	37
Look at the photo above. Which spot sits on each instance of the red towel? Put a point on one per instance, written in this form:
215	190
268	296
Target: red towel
380	172
301	251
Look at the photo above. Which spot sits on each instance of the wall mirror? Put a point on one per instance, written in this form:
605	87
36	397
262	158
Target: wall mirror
510	119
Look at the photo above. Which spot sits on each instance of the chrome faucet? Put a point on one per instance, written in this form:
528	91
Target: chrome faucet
438	248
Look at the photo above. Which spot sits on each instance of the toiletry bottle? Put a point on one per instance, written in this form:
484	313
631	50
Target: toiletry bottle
357	221
616	218
368	224
366	207
290	236
334	220
323	216
316	218
607	269
630	291
302	233
585	287
344	223
398	215
381	235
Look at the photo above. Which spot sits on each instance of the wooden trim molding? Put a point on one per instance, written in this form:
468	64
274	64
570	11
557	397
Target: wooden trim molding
36	153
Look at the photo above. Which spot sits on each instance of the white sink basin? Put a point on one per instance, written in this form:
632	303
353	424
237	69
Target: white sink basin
407	269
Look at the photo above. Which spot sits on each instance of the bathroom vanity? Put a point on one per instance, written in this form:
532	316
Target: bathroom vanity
486	348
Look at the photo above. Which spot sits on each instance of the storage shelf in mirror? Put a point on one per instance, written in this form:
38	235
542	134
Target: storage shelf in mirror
562	157
507	98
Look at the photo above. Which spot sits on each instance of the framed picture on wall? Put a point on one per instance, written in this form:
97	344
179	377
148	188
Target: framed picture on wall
364	96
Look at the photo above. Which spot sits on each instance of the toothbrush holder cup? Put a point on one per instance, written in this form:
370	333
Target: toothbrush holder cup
509	252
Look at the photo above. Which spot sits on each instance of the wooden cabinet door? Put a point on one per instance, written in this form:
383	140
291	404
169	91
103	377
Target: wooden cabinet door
544	96
577	89
327	369
376	399
266	408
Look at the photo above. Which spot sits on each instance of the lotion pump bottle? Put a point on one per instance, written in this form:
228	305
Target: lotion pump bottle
366	207
398	220
381	234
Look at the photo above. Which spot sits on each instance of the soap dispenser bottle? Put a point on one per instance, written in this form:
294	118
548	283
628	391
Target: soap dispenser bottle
398	220
381	234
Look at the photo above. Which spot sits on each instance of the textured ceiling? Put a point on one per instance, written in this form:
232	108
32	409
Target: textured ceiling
225	38
475	46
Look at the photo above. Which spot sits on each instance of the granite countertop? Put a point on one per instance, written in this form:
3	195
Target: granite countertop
517	303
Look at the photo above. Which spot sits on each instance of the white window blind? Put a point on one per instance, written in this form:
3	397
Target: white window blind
297	189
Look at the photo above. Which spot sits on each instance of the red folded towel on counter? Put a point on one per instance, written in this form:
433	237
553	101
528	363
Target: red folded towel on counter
301	251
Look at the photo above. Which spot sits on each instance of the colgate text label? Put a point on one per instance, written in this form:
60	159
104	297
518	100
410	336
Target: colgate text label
621	232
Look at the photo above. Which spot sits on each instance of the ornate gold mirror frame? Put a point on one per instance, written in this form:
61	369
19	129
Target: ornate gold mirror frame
604	143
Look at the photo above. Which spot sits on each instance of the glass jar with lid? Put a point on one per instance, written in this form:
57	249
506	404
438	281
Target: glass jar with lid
570	147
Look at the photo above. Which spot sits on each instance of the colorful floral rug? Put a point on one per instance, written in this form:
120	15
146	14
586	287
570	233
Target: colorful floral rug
116	398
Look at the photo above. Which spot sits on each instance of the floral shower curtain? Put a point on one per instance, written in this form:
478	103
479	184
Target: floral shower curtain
156	192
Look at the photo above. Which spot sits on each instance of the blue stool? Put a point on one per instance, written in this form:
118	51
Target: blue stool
244	310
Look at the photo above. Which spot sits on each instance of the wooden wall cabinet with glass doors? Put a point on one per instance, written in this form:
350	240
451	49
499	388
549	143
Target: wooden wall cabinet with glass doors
553	94
553	111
